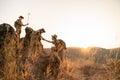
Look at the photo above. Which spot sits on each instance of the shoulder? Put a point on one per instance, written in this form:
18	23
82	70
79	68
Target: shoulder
61	41
17	20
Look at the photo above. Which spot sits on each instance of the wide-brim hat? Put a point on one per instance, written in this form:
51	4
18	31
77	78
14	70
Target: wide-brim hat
54	36
21	17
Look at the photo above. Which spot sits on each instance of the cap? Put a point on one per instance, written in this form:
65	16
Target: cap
21	17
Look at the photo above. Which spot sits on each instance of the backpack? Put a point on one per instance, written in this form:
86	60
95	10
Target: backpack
62	43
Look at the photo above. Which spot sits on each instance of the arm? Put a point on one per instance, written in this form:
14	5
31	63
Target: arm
25	24
46	40
20	23
60	47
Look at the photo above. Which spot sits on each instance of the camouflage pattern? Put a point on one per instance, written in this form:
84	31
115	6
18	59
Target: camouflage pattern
18	25
60	48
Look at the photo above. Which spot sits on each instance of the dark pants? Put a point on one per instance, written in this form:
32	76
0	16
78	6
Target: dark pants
61	54
18	30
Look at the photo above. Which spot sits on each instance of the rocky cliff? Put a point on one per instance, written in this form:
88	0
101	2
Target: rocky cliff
25	58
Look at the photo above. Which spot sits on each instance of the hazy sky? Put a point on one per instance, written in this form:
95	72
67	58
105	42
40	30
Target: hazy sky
79	23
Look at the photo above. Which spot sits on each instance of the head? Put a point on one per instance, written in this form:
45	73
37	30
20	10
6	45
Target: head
42	30
54	37
21	17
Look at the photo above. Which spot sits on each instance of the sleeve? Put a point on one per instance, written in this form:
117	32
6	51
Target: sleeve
46	40
19	23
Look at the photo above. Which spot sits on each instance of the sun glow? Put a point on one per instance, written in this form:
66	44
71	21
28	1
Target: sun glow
92	35
95	37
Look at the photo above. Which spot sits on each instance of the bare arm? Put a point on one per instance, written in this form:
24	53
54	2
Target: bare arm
46	40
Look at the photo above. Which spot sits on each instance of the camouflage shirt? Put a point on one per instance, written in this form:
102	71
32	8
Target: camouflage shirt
59	43
18	24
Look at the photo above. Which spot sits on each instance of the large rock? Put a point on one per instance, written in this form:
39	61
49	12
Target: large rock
25	58
7	52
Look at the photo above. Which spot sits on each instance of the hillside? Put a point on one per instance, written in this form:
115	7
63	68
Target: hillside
98	53
26	59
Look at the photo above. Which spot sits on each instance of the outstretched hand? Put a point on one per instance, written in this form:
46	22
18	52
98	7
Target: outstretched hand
43	38
26	24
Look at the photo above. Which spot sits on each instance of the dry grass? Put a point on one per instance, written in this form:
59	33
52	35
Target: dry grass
28	61
88	69
72	69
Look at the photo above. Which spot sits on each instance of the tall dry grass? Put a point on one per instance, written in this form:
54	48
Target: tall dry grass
10	69
27	62
88	69
73	68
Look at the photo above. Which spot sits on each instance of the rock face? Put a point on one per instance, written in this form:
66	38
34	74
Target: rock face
25	58
7	51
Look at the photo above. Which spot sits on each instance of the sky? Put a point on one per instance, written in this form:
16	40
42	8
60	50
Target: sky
80	23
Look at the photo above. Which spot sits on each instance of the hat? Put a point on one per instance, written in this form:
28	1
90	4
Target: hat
42	30
21	17
54	36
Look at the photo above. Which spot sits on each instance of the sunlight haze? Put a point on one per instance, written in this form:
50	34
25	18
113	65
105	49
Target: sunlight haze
80	23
